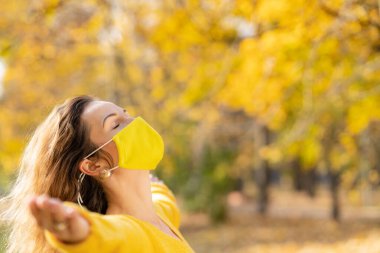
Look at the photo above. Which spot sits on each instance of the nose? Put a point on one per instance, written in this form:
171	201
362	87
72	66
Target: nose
129	120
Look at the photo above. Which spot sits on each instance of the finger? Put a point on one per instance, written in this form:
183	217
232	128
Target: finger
78	225
35	210
33	207
59	219
57	209
46	219
74	218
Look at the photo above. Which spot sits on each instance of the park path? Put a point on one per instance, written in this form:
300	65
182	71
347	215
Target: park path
295	223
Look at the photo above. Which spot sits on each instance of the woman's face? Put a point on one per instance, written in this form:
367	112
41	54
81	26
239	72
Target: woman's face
104	120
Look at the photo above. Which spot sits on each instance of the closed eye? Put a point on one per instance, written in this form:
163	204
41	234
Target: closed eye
116	126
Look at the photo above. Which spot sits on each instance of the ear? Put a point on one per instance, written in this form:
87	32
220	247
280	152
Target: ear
89	167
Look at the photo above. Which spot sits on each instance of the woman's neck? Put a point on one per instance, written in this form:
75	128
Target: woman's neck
128	192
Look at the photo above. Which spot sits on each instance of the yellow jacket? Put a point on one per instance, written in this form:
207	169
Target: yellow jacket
125	233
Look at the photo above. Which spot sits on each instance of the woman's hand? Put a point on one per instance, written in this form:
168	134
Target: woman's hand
66	223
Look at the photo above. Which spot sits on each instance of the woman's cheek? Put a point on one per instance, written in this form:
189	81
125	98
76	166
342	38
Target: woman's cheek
112	150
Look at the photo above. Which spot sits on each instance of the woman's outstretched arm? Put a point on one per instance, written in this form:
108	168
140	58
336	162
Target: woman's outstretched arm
85	231
66	223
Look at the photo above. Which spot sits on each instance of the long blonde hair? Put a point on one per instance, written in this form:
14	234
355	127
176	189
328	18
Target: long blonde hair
49	166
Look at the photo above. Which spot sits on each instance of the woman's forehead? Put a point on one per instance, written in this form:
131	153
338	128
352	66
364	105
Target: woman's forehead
93	116
97	110
99	107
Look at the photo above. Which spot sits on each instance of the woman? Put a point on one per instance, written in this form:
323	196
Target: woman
94	153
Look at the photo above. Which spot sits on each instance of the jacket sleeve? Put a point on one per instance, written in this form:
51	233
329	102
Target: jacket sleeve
107	234
165	200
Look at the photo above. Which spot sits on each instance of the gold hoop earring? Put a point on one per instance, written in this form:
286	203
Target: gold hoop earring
104	174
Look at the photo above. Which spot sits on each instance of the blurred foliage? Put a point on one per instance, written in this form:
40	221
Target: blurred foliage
205	73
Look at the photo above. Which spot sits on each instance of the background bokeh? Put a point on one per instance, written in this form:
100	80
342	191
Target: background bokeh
269	109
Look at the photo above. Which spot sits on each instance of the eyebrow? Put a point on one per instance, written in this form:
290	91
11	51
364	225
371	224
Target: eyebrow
106	117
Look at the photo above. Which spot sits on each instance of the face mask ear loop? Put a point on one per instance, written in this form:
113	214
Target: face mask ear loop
114	168
82	175
96	150
79	197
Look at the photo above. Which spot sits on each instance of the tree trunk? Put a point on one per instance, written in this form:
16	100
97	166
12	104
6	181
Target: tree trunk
263	188
304	180
262	168
334	191
311	182
297	175
334	175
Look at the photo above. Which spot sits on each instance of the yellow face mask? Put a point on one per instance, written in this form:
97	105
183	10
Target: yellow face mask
139	146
